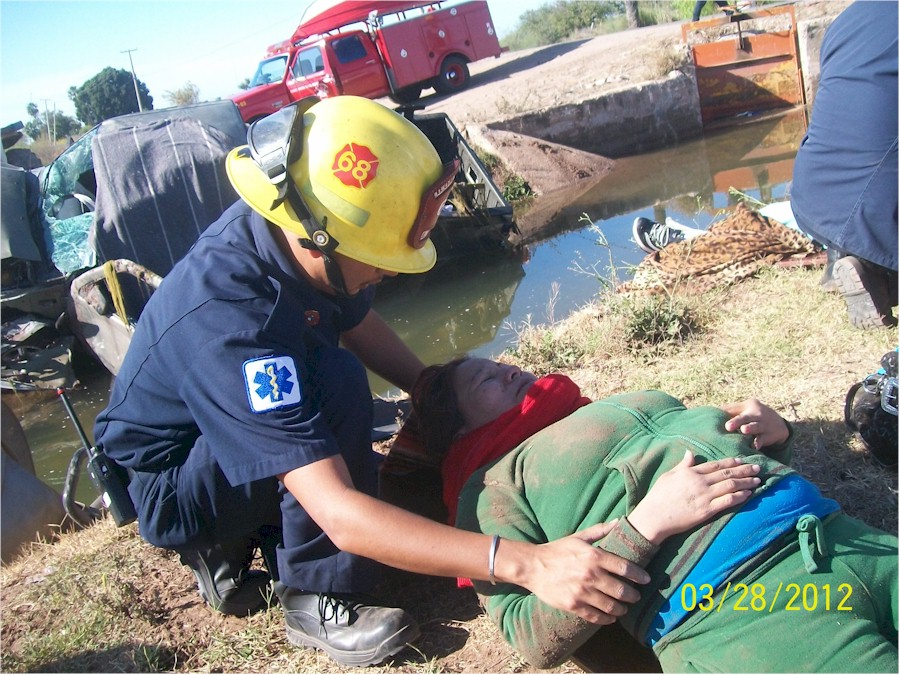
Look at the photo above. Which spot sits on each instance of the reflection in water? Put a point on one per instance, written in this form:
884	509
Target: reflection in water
692	179
472	305
49	430
457	308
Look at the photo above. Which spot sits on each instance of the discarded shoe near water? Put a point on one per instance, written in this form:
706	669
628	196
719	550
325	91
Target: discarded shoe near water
344	626
652	236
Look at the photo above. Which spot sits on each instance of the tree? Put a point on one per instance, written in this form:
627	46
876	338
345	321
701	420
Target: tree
108	94
60	125
555	22
631	12
245	84
187	94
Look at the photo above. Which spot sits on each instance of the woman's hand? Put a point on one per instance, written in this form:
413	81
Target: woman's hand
689	495
753	418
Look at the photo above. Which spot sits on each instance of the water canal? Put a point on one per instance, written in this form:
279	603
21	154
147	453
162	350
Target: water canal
475	305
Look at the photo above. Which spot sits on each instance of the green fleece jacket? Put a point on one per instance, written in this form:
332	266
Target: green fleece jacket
591	467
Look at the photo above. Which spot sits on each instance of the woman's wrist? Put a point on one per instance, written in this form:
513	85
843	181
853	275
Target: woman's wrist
646	525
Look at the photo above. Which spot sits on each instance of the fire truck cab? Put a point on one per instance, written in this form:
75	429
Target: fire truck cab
393	54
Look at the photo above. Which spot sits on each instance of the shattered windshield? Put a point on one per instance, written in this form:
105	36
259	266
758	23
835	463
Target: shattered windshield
72	170
270	70
70	176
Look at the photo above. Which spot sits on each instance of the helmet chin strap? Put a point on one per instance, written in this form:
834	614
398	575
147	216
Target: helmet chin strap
332	269
319	239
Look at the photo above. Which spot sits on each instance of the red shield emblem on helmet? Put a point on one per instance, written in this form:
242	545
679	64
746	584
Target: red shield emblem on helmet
355	165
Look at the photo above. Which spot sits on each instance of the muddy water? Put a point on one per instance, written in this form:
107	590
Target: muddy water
475	305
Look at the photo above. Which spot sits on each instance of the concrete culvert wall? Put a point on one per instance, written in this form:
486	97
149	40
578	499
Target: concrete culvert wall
633	120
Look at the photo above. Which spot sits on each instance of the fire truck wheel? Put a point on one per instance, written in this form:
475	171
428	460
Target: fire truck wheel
407	95
454	76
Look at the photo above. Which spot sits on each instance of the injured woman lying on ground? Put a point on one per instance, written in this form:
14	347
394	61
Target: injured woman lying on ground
751	568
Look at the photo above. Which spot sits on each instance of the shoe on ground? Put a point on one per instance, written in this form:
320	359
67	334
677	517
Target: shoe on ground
652	236
866	292
344	626
225	580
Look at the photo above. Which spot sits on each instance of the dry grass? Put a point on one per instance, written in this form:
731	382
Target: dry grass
101	600
45	150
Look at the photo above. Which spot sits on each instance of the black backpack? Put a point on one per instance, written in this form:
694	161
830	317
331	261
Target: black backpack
870	411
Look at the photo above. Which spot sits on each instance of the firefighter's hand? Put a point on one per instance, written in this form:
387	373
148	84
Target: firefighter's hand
572	575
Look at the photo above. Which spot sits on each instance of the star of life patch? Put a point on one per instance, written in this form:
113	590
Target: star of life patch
272	383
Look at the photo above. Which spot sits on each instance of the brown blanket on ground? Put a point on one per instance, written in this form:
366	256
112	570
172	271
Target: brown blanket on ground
731	250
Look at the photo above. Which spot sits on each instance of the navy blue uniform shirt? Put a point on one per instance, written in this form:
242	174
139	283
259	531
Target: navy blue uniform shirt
222	349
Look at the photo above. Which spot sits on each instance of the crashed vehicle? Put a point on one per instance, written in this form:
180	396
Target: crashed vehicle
125	202
132	195
34	355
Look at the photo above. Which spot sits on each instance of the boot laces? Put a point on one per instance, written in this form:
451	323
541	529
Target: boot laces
331	606
661	235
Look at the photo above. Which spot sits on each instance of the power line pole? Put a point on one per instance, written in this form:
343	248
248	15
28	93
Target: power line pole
51	136
137	92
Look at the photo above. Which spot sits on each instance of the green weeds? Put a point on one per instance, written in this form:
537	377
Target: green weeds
515	187
656	323
653	322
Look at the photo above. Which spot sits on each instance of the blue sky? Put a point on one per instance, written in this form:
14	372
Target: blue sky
48	46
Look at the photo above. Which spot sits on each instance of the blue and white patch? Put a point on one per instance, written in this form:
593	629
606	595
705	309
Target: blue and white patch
272	383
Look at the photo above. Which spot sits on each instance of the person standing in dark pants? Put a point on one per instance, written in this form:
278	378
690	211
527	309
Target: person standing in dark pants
698	8
844	189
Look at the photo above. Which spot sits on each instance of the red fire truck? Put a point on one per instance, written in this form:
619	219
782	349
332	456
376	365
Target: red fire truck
373	49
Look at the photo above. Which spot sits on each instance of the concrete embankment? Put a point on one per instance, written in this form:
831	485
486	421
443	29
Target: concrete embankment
557	115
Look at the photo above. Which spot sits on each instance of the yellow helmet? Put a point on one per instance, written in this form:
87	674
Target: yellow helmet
349	175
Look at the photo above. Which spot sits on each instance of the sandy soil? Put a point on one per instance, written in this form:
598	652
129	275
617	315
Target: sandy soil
534	79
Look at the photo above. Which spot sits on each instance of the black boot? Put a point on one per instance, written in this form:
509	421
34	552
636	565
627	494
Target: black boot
867	290
225	579
269	538
350	631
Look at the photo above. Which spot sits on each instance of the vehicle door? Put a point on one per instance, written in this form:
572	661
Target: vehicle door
305	73
267	91
357	66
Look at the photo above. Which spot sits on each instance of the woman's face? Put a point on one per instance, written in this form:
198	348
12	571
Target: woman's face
486	389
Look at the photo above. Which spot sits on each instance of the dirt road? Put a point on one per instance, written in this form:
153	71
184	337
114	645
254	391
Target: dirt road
529	80
533	79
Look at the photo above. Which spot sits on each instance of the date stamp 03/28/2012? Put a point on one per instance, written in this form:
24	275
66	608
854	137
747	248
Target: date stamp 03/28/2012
758	597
